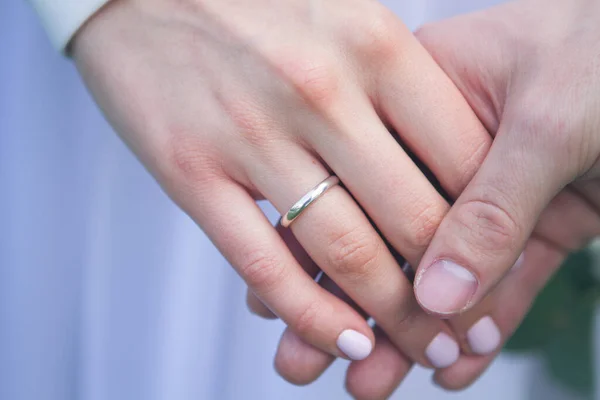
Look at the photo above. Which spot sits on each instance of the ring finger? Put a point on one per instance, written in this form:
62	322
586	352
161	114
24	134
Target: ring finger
341	240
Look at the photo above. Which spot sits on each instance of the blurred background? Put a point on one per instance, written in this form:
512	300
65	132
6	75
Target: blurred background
108	291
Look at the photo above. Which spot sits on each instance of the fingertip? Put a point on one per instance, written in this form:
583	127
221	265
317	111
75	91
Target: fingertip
439	380
484	337
299	362
379	375
354	344
461	375
361	384
442	351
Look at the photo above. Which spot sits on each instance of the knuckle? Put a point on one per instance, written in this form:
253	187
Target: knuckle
305	323
490	226
422	228
354	254
262	271
375	38
316	81
383	30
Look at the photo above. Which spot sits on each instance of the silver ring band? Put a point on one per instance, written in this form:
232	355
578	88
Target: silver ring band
306	200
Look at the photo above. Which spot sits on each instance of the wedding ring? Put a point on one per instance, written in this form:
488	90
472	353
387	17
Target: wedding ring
308	199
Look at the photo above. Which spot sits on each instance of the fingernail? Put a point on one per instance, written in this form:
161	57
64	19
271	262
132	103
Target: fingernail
484	337
354	344
519	263
443	351
445	287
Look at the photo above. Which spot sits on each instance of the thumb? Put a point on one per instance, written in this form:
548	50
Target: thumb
485	231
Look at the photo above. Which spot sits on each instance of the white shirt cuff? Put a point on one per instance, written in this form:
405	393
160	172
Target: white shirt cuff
62	18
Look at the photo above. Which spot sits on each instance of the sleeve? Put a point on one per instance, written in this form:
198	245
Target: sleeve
62	18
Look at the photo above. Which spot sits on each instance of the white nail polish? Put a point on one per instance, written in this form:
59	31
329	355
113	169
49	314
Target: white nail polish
443	351
354	344
484	337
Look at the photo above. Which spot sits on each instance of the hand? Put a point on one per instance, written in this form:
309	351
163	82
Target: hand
570	219
227	102
532	75
379	375
480	331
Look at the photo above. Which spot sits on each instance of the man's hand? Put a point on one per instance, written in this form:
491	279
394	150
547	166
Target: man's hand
532	75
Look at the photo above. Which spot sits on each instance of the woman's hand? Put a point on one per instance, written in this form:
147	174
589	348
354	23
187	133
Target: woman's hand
226	102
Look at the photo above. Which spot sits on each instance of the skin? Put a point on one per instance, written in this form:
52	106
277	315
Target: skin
222	111
533	78
226	102
532	75
380	374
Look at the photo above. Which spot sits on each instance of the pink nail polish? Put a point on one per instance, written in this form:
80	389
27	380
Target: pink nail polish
445	287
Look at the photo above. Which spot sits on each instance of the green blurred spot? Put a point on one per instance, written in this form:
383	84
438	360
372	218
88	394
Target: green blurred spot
560	324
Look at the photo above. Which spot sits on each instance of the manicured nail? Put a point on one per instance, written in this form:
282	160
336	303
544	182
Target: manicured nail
519	263
354	344
445	287
484	337
443	351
